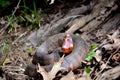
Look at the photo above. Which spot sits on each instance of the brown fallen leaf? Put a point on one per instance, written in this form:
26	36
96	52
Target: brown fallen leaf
7	61
50	75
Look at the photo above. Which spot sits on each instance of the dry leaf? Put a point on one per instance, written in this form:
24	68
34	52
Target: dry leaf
50	75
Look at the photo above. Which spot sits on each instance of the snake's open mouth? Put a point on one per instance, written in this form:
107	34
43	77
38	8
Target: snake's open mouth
67	46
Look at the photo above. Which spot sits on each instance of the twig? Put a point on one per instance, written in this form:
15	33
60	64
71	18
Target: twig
19	37
113	37
21	59
3	29
107	61
13	68
16	8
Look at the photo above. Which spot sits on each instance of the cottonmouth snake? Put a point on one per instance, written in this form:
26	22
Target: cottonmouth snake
50	51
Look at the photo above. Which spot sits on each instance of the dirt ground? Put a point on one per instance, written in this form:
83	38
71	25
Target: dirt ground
97	22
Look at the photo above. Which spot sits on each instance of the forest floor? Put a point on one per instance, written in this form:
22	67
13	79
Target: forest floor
100	30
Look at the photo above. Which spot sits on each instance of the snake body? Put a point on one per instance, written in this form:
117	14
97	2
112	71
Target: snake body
50	51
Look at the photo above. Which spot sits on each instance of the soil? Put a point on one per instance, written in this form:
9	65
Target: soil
96	21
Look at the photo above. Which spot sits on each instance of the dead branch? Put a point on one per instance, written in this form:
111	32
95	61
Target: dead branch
111	74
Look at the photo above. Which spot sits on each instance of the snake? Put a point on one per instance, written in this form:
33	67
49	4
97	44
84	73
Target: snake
50	51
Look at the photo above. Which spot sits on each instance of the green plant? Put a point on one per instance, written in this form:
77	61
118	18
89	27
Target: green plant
36	20
93	46
4	47
4	3
11	25
26	14
12	22
91	53
87	70
77	34
31	50
4	52
90	56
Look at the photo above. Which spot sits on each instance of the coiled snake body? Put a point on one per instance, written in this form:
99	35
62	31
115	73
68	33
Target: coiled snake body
50	52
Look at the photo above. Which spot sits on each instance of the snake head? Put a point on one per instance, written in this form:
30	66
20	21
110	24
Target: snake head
67	46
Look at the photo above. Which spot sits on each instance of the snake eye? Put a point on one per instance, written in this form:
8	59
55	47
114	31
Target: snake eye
67	46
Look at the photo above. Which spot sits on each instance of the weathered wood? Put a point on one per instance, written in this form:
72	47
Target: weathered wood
96	23
90	22
59	25
111	74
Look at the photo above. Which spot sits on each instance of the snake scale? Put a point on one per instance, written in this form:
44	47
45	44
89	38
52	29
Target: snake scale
50	51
